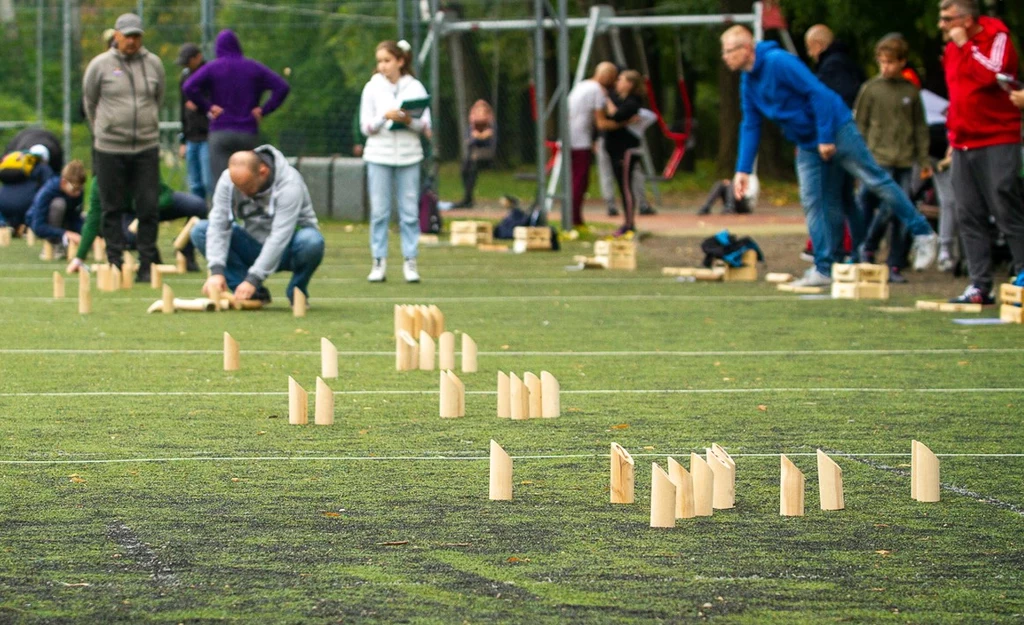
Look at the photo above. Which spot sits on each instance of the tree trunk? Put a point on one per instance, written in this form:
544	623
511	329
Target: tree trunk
729	104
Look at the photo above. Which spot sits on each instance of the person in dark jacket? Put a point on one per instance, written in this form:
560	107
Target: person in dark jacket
195	126
229	90
56	213
837	70
624	102
16	197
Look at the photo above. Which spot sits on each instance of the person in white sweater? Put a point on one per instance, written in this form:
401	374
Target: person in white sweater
393	153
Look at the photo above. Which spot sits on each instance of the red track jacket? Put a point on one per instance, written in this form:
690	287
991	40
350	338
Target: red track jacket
980	112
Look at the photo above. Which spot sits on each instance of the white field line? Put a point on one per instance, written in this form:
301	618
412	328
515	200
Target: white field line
495	280
593	354
476	298
680	391
441	457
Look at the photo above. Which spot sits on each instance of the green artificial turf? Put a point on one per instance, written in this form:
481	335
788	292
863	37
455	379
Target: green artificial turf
139	482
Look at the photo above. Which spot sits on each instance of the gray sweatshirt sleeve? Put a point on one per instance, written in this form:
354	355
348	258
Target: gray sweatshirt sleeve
218	234
287	204
91	90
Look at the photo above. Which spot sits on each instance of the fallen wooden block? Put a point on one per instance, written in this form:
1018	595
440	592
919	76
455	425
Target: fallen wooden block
622	475
298	403
324	408
429	239
830	483
328	359
944	306
198	304
924	473
778	278
616	254
860	290
703	486
232	354
492	247
663	498
791	490
684	489
501	474
469	352
228	300
789	288
183	238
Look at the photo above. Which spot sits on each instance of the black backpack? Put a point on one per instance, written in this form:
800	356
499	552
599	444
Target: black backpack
726	247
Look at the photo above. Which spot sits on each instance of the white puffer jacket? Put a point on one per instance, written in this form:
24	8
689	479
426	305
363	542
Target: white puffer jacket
384	146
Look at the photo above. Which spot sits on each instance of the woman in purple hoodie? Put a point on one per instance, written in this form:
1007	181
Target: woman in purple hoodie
228	89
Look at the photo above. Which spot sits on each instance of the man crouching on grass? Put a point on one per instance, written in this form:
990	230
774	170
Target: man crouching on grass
262	221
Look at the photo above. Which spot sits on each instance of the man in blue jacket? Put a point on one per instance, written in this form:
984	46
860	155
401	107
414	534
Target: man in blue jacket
56	212
778	86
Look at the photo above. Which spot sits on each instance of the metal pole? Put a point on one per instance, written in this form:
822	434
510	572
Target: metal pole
563	113
416	18
435	86
39	61
140	9
67	77
401	19
204	28
539	91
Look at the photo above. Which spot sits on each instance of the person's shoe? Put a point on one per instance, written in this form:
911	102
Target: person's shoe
807	257
945	262
463	204
647	209
704	210
865	255
926	248
624	231
410	271
189	251
812	277
262	294
144	273
896	277
613	211
379	271
974	295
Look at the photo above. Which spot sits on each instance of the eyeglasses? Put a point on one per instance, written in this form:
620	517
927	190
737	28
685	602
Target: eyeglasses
945	19
728	51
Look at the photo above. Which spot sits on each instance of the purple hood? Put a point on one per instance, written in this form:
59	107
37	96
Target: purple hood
236	84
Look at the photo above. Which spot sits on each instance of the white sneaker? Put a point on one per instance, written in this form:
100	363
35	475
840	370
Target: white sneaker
409	269
812	277
925	249
945	262
379	270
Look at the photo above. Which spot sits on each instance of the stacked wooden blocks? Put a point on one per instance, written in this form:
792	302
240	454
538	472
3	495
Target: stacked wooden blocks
1012	298
529	238
860	281
471	233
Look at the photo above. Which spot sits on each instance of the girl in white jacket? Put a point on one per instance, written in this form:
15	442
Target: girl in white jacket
393	154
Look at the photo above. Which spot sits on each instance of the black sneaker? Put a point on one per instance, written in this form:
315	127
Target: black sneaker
974	295
647	209
144	273
897	277
262	295
613	211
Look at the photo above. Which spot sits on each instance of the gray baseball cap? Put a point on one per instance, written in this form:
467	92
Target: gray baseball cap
129	24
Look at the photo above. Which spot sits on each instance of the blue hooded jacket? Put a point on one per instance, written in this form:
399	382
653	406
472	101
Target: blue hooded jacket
39	213
781	88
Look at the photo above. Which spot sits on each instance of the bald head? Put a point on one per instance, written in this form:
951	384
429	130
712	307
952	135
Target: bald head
818	38
737	36
606	73
248	172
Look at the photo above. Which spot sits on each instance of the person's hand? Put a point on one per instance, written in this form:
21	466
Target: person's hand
740	184
827	151
245	291
958	35
1017	97
73	237
75	265
258	114
611	108
214	112
926	173
181	151
190	105
215	284
397	115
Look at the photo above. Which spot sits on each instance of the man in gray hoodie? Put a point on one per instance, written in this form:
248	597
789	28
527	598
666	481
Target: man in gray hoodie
262	221
123	89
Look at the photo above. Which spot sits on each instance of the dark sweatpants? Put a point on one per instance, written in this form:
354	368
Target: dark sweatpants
139	175
986	181
223	144
580	180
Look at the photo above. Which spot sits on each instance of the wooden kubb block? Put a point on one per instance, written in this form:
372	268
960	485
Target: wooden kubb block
616	254
663	498
860	290
528	238
703	486
791	490
298	403
452	396
324	409
746	273
58	285
830	483
860	272
466	232
501	474
924	473
407	356
232	354
6	233
427	351
1012	298
684	489
622	475
724	470
469	352
328	359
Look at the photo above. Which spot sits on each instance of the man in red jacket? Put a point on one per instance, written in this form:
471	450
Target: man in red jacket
984	133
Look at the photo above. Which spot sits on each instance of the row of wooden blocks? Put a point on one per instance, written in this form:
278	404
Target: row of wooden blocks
414	319
860	281
720	271
328	356
411	355
529	397
298	403
611	254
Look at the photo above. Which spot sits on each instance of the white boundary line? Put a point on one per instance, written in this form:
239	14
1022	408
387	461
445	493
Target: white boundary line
687	354
480	298
199	279
434	458
679	391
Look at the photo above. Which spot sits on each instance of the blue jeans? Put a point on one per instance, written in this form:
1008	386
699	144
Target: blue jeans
386	184
821	184
883	216
301	257
197	167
